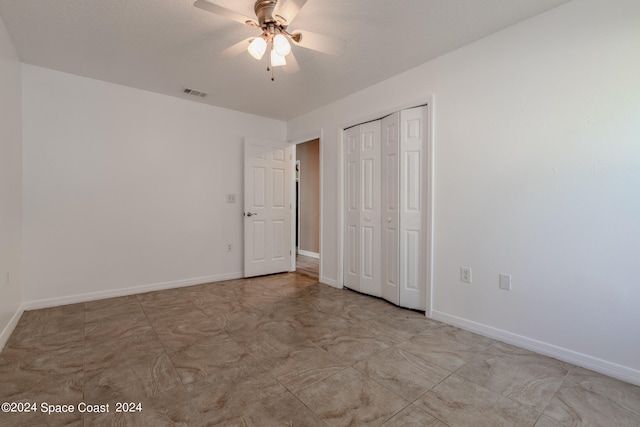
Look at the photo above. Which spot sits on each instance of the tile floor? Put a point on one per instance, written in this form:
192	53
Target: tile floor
284	350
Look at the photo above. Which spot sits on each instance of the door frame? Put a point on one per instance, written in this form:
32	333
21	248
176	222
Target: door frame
294	199
428	153
297	173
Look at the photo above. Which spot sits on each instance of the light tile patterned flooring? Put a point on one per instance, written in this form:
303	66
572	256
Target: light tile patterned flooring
284	350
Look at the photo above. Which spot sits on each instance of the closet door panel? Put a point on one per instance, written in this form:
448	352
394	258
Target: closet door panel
412	273
411	263
370	208
390	176
352	206
368	183
412	167
368	252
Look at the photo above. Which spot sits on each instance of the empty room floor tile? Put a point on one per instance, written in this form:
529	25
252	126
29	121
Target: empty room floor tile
521	375
286	350
402	372
459	402
587	398
412	416
351	399
302	366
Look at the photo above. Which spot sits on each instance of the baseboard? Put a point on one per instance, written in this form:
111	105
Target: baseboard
309	254
93	296
8	330
614	370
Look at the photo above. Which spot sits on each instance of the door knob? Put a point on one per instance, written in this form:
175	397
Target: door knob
388	219
366	218
250	214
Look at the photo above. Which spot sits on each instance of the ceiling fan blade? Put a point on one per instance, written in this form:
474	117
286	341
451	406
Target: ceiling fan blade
236	49
292	64
319	42
288	9
224	12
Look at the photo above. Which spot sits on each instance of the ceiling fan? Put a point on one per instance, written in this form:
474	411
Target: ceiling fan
273	18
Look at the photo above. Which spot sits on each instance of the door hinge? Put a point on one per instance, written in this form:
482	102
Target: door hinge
289	251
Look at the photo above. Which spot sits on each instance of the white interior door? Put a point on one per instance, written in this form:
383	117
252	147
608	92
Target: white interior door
386	205
390	164
370	209
412	208
267	207
352	208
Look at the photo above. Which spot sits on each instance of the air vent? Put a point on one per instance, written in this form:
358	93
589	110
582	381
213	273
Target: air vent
194	92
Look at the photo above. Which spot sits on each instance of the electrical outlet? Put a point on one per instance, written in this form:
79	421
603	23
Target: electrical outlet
505	282
231	198
229	247
465	274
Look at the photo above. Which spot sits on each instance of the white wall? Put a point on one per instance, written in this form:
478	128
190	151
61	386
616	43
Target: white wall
537	174
125	190
10	187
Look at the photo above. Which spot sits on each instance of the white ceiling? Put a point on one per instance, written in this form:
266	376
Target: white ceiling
166	45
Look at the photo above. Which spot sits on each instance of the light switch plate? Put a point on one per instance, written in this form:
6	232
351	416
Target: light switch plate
505	282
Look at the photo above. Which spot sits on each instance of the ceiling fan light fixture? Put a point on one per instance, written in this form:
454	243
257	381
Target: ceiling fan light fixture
257	48
277	60
281	45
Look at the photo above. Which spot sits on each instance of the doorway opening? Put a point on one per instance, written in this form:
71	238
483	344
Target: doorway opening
307	212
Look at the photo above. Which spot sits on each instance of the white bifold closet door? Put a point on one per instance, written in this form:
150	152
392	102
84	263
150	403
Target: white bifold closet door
385	244
362	202
390	145
413	242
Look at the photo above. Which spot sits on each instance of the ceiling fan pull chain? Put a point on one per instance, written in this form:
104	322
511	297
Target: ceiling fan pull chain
269	66
269	62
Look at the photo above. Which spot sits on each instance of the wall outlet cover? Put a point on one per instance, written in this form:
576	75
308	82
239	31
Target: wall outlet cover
465	274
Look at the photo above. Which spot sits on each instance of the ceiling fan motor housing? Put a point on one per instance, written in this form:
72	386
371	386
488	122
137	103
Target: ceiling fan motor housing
264	11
